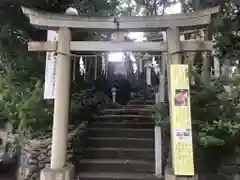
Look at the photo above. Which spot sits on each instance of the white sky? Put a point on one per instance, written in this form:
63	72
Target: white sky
139	36
170	10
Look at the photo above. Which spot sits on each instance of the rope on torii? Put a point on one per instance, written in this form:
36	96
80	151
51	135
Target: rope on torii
82	68
116	22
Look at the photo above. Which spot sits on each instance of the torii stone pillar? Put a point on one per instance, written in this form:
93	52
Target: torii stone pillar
190	60
206	68
61	104
162	77
174	57
160	98
58	167
174	45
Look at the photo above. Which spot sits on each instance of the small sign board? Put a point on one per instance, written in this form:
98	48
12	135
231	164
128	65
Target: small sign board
50	68
181	126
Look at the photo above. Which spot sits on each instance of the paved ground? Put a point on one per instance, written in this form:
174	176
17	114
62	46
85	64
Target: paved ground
6	173
7	177
8	170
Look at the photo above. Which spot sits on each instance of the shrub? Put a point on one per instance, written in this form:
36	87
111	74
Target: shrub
214	110
160	114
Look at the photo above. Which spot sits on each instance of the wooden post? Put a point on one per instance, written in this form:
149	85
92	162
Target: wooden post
137	72
61	103
206	70
174	57
95	67
162	77
216	67
140	65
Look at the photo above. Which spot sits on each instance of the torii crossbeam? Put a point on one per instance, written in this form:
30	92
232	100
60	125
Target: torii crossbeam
193	20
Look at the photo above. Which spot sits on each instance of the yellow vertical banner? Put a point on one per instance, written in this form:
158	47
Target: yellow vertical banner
181	126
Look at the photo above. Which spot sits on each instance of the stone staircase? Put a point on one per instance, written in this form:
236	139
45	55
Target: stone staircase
120	145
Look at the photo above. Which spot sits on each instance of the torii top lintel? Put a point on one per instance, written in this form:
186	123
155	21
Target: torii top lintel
184	21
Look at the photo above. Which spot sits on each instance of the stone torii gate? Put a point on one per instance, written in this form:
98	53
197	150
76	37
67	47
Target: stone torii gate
172	24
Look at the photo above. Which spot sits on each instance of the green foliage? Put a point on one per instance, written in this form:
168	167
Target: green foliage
225	27
22	73
160	114
89	98
215	112
218	133
193	5
215	109
227	31
24	108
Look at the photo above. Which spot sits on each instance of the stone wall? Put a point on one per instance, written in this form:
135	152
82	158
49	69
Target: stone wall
36	153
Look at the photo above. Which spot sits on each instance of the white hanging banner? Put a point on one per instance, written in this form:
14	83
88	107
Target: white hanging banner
50	68
103	64
216	65
148	67
82	66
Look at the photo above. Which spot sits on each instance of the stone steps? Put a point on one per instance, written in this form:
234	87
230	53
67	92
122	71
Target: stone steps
119	153
134	106
121	142
141	101
126	133
142	95
120	145
115	176
124	117
124	125
127	111
116	166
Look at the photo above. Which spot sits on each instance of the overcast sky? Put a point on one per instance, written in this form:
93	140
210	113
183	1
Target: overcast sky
139	36
170	10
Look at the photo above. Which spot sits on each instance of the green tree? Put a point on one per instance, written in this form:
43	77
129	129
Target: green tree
228	32
22	72
226	26
192	5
